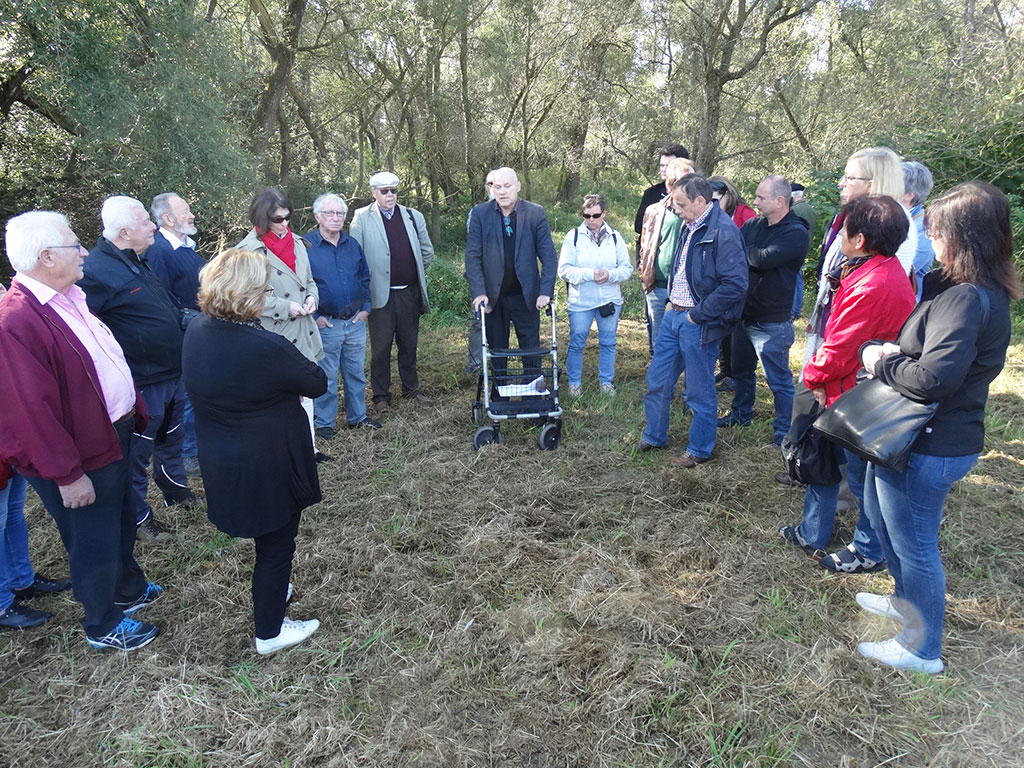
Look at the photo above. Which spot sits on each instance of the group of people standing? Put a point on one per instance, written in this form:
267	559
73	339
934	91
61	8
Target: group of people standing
118	358
105	352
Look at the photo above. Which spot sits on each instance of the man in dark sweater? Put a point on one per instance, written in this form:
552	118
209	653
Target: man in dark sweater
398	251
123	291
173	259
777	243
657	191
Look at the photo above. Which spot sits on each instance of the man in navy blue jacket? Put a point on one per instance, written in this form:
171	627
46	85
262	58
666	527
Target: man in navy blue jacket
506	239
122	290
173	259
706	291
343	280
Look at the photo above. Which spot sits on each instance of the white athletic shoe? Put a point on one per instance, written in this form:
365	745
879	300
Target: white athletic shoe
880	605
892	654
292	633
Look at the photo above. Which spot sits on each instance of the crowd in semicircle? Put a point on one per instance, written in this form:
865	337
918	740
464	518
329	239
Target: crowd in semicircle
114	361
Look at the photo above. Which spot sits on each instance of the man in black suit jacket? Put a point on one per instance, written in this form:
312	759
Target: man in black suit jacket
506	238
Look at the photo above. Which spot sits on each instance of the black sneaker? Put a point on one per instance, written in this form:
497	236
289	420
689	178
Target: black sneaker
150	531
129	635
849	560
366	423
149	595
322	457
325	433
41	586
792	535
18	616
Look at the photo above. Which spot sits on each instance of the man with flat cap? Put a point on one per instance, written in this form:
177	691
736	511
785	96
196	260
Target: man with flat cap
398	251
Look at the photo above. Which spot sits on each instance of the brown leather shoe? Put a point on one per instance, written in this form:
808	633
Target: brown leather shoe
785	479
419	398
688	461
381	406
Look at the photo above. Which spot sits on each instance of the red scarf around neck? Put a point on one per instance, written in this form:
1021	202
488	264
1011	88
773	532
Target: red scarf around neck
283	247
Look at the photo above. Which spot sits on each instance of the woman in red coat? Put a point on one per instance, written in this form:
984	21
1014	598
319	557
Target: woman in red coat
870	298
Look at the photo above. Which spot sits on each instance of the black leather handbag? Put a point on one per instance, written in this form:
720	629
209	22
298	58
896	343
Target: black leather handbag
809	457
876	422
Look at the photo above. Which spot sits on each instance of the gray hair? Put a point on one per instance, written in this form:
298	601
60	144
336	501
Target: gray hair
318	204
917	181
161	204
30	233
117	213
779	186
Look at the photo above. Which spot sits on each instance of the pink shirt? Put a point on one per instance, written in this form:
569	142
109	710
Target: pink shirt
115	377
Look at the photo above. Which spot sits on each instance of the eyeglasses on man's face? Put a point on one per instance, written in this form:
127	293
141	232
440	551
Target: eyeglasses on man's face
332	214
388	190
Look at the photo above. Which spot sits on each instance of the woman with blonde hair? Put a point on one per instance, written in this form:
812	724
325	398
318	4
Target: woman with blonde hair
255	449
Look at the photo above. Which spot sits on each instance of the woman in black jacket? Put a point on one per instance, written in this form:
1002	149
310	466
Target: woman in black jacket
255	448
950	349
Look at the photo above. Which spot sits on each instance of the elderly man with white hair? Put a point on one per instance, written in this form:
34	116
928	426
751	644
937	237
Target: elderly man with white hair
122	290
398	250
69	410
343	282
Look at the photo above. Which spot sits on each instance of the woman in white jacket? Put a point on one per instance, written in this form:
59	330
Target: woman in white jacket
594	261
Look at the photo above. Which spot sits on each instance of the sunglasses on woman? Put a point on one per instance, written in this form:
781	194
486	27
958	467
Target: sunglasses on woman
280	219
593	215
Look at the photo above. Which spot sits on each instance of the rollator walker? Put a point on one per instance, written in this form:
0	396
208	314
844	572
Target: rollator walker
516	389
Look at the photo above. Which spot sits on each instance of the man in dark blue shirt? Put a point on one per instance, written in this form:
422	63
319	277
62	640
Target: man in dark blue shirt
343	280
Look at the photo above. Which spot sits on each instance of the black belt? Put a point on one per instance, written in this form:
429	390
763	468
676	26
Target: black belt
335	317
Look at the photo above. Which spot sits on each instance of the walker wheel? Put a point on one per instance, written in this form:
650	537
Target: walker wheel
478	413
550	436
485	436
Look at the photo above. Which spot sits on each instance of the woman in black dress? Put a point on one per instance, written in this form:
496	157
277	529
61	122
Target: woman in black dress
255	449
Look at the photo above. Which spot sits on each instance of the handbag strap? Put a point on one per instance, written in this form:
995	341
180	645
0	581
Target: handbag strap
986	306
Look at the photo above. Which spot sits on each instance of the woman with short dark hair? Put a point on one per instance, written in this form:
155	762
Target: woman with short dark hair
254	448
293	298
594	261
869	297
948	352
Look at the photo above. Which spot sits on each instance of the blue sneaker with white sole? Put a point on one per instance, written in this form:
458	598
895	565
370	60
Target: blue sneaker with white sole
128	635
149	595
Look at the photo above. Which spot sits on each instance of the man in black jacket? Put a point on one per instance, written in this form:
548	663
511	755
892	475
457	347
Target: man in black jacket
122	290
777	243
657	191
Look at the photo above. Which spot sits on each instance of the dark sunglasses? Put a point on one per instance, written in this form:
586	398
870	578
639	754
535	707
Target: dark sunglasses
388	190
280	219
593	215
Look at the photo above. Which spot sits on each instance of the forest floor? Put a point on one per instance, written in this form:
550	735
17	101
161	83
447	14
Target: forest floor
589	606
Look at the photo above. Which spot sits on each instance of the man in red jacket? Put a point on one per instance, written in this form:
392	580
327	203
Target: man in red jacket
70	406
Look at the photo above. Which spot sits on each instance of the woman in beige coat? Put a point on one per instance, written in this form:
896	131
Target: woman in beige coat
292	295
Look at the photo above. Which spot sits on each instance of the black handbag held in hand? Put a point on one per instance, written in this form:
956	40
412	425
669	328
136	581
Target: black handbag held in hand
809	457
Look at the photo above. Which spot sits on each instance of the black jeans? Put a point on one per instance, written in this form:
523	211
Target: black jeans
100	540
270	576
512	310
397	322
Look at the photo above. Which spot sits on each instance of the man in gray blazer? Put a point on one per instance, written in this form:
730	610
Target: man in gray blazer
506	238
398	251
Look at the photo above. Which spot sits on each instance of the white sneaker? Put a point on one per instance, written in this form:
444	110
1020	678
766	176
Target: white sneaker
292	633
575	390
608	389
892	654
880	605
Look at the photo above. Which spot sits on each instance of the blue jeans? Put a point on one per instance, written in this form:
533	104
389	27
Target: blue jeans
579	328
906	510
798	295
678	347
769	343
820	512
189	445
15	567
656	301
344	352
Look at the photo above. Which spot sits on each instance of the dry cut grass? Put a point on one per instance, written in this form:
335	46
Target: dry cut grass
586	607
